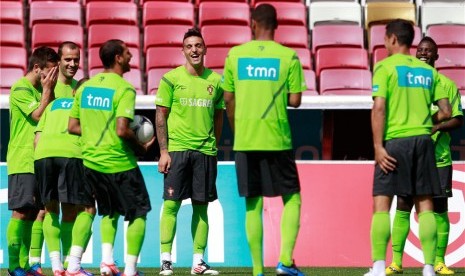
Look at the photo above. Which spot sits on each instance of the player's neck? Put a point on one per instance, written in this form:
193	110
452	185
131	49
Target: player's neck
262	34
403	50
33	79
117	70
195	71
65	80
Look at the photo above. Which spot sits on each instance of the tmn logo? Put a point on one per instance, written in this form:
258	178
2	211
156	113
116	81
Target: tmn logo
258	69
97	98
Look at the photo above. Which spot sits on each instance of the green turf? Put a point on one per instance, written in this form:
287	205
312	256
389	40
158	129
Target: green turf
310	271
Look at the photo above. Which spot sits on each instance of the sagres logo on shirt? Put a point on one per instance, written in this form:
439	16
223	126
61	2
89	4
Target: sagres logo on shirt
258	69
97	98
414	77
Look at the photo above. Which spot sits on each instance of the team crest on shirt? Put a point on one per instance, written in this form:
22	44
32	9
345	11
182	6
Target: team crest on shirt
210	90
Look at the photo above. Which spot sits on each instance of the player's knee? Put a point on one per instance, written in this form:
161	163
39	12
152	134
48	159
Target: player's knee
404	204
440	205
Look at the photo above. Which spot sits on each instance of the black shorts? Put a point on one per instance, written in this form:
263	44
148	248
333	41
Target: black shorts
23	192
445	178
123	193
62	179
415	174
266	173
192	175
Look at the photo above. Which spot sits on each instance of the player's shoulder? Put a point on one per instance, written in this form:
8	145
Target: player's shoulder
212	75
445	80
21	84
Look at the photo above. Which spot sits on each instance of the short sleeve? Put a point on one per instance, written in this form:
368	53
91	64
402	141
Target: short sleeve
164	95
227	81
380	81
440	89
296	79
75	110
126	103
24	99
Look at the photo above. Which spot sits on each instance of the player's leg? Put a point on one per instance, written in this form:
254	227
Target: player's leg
67	222
427	231
380	232
254	231
290	224
52	230
37	242
167	232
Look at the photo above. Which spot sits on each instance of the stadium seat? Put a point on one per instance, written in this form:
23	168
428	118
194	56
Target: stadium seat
94	61
56	12
11	12
134	77
383	12
337	36
226	35
442	12
458	76
13	57
84	2
376	37
331	58
447	35
164	35
115	13
232	13
142	2
345	82
364	2
98	34
168	12
153	79
310	82
12	35
198	2
254	3
334	12
290	13
164	57
381	53
305	57
8	77
292	36
52	35
450	58
216	56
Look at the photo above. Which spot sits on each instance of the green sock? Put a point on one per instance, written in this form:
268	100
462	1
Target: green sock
290	224
199	227
37	240
82	229
254	231
427	233
168	224
14	238
443	225
108	228
52	231
400	230
380	232
66	239
135	236
26	245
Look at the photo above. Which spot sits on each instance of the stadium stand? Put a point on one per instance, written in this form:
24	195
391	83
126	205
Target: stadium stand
442	12
337	36
292	36
334	12
221	13
377	37
382	12
198	2
225	35
215	57
305	57
253	3
290	13
164	57
333	58
310	82
8	77
164	35
94	61
12	35
11	12
102	12
98	34
345	82
84	2
168	12
458	76
52	35
55	12
153	79
447	35
13	57
451	58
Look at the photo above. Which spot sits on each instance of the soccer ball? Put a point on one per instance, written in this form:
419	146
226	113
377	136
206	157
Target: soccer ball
143	128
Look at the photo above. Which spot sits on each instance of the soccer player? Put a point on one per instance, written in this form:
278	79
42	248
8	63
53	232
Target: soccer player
28	99
102	110
189	118
262	78
403	90
59	170
427	51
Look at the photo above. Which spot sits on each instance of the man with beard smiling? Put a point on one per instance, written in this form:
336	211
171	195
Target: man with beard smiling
189	118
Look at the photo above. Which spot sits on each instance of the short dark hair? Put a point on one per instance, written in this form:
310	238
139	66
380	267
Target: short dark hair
265	15
403	30
109	50
430	40
192	32
41	56
68	44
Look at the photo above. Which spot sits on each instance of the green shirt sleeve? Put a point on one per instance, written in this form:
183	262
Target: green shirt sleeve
440	88
228	76
24	99
76	105
380	81
296	77
127	103
165	92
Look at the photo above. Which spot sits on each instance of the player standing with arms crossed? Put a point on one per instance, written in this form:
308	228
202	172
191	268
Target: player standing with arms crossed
403	90
189	120
262	78
427	51
102	110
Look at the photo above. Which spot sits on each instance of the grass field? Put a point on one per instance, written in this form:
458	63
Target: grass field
309	271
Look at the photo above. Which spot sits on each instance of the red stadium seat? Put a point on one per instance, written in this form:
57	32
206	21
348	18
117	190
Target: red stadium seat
56	12
231	13
110	2
164	57
253	3
8	77
142	2
305	57
376	37
100	33
216	56
292	36
164	35
381	53
226	35
198	2
337	36
95	62
153	79
168	12
345	82
12	35
134	77
311	83
332	58
290	13
52	35
458	76
115	13
13	57
447	35
11	12
450	58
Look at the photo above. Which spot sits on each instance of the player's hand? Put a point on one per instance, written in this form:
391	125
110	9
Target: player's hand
435	129
149	143
48	82
164	163
386	162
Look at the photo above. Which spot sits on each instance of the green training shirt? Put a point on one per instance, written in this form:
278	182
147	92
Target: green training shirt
24	99
97	104
261	74
64	90
409	86
192	101
442	139
55	141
